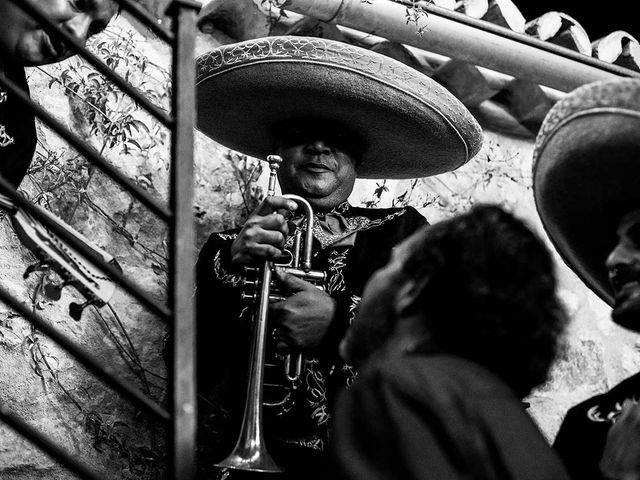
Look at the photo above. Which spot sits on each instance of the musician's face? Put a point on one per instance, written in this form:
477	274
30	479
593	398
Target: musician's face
623	265
318	164
25	41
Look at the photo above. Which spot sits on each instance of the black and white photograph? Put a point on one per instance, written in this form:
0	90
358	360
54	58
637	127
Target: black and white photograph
319	240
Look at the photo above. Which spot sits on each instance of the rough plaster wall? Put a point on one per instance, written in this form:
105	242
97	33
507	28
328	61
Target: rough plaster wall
123	443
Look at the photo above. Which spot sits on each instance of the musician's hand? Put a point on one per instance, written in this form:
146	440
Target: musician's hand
302	320
621	457
263	234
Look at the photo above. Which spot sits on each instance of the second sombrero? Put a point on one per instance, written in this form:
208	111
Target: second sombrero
411	126
586	170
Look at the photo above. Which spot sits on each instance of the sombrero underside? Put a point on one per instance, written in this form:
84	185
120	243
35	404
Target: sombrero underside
410	125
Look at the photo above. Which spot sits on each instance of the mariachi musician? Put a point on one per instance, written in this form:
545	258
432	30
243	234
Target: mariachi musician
585	180
333	112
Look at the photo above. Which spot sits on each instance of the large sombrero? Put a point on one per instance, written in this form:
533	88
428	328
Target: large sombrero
586	174
410	125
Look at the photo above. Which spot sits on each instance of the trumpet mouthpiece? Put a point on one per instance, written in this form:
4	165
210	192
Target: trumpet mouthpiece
274	161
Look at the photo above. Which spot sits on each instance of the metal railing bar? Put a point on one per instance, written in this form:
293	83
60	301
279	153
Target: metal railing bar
46	445
100	66
89	152
93	257
105	373
147	19
182	383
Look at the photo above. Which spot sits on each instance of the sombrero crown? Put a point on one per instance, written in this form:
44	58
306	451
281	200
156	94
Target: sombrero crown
409	125
586	174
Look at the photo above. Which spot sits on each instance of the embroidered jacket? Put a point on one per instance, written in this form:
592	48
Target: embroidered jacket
583	434
360	246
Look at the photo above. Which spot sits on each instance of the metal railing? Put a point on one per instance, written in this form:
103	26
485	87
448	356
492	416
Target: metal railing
179	312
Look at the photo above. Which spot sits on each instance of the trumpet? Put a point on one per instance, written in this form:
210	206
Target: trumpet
250	452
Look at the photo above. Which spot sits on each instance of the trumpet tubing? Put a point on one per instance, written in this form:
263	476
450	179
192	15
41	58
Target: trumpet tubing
250	452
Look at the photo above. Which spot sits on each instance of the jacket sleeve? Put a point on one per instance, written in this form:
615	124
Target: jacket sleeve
580	443
221	329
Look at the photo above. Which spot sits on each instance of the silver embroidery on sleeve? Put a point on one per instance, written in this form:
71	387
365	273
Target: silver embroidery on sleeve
337	262
349	369
353	306
596	415
5	138
222	275
316	392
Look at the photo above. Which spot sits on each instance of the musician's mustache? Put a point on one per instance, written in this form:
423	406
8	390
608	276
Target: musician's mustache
622	275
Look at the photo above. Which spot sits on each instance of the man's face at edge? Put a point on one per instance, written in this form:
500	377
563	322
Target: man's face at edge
377	313
623	265
25	42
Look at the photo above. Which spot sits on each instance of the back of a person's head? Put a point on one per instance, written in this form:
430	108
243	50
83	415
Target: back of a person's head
491	296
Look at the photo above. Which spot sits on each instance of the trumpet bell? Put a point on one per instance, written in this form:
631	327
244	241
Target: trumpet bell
251	457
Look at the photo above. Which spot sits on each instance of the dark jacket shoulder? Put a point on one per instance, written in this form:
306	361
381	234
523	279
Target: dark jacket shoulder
17	129
583	433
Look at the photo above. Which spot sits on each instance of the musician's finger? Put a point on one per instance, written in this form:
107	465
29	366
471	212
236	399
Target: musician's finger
287	214
262	251
273	204
270	237
275	221
275	313
292	282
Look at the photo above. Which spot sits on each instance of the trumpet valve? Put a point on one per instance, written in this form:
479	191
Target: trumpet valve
293	375
313	276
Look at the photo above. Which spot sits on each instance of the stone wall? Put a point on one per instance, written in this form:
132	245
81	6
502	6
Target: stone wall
50	390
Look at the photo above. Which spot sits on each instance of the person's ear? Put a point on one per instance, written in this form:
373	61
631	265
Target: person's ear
407	296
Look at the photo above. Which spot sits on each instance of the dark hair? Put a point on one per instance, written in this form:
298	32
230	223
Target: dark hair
491	297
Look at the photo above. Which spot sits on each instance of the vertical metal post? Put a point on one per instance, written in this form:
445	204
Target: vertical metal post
182	245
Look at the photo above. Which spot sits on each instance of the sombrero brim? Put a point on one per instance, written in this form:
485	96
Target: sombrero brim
585	175
410	125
